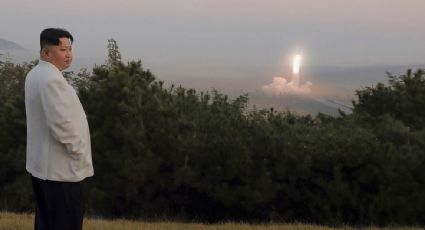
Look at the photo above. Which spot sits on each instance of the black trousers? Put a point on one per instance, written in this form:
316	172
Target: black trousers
59	205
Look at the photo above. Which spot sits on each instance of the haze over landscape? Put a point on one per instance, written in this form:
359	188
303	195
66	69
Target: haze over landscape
236	46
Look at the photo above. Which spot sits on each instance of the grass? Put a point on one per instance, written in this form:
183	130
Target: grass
12	221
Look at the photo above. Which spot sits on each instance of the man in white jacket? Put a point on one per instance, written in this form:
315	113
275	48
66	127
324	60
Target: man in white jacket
58	139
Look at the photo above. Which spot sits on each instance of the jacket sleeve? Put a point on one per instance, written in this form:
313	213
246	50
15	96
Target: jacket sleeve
58	102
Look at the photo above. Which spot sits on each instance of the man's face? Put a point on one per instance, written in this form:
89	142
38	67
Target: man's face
60	55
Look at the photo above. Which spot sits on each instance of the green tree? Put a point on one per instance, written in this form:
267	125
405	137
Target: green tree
403	99
114	55
15	188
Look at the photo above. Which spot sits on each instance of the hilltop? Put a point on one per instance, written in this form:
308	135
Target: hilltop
9	45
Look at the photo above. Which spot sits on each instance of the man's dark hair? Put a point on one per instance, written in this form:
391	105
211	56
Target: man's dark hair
50	36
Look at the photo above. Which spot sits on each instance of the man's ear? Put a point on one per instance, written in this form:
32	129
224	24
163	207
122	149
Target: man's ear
45	53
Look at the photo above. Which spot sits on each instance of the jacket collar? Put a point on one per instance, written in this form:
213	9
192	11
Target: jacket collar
48	64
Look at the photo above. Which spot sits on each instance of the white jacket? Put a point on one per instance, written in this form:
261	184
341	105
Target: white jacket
58	137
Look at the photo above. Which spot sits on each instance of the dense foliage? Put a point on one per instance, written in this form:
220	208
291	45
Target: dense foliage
15	189
175	153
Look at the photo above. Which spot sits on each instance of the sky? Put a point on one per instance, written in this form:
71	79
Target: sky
229	38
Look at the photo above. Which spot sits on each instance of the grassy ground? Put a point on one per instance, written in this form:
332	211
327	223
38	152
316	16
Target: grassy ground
10	221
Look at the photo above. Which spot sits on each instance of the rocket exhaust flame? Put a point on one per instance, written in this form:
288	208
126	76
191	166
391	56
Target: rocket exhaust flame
296	63
281	86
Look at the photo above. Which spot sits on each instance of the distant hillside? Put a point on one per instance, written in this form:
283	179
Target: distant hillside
306	104
9	45
15	52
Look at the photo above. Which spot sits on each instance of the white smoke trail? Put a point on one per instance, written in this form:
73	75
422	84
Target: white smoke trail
281	86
